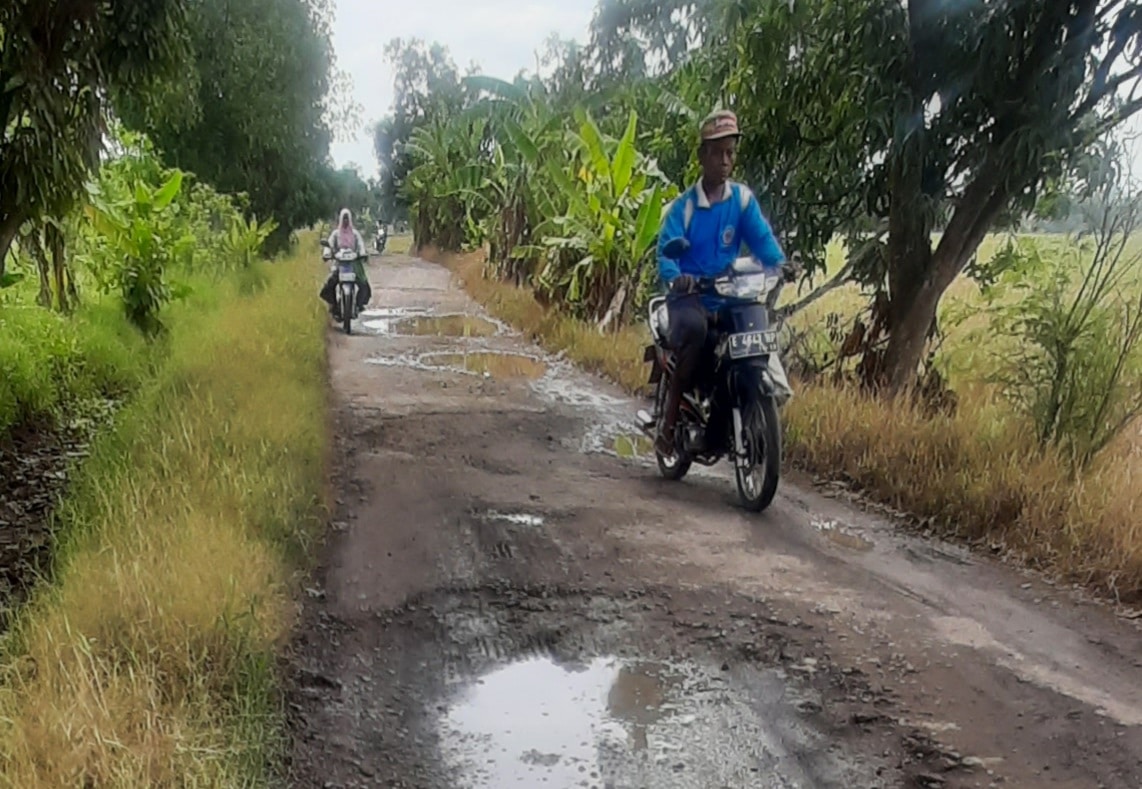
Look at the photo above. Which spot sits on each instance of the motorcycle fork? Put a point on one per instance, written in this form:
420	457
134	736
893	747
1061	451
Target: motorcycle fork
745	382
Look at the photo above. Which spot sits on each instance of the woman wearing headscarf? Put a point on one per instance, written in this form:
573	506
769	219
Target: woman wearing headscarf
347	237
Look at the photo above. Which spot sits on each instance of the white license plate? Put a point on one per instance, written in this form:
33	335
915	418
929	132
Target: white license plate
752	343
347	276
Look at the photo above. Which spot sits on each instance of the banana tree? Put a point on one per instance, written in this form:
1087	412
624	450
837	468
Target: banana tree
599	248
444	186
527	134
140	241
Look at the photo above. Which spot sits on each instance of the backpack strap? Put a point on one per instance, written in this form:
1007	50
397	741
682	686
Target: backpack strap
689	207
687	210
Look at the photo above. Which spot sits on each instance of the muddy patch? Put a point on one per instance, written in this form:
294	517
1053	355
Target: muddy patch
486	364
35	465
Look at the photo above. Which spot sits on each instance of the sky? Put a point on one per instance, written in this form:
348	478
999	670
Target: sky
502	36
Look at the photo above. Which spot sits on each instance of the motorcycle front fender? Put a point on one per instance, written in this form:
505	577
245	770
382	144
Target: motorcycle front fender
751	379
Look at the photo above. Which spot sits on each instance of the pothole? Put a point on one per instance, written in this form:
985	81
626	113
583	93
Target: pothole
490	364
502	687
622	722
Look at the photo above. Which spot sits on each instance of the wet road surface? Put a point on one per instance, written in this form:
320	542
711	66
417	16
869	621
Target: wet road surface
511	597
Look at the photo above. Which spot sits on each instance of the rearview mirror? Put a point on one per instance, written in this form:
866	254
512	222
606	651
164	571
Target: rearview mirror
325	243
675	248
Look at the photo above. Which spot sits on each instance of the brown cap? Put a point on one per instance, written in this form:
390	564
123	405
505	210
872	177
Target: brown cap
719	124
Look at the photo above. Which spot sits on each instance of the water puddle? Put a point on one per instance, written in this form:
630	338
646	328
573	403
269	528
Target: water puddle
489	364
400	322
446	326
633	445
838	534
623	723
515	518
381	321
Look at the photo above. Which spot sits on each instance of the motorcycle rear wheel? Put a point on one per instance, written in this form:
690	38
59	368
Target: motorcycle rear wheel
676	467
757	484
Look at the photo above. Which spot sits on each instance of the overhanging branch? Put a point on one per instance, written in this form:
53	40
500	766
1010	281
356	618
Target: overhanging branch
842	277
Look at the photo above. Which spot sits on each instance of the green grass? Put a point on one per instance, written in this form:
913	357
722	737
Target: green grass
49	362
399	245
149	660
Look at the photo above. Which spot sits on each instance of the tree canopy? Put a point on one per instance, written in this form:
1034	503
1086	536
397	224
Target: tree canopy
60	63
877	121
261	123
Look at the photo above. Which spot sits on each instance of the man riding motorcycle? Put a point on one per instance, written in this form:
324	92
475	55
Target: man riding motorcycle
715	215
347	237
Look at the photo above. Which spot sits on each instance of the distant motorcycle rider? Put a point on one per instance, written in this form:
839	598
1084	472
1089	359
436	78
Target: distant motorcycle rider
347	237
715	215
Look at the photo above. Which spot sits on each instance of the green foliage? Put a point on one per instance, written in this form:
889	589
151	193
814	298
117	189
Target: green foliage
347	189
261	77
243	241
925	114
428	90
1068	318
59	62
50	363
603	242
568	209
141	235
144	225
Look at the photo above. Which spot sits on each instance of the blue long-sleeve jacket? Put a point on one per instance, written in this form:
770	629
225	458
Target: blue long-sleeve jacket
716	233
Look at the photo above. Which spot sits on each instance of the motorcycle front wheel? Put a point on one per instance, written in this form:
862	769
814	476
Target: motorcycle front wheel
757	480
347	299
676	467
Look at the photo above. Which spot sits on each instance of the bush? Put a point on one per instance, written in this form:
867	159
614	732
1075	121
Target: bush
1066	333
50	363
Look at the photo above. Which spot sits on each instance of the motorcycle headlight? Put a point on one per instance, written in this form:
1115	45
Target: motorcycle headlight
744	286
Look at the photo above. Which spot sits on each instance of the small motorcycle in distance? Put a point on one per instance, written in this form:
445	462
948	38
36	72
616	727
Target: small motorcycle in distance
344	266
732	409
381	238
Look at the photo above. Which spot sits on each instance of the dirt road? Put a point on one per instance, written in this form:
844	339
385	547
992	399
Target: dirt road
511	597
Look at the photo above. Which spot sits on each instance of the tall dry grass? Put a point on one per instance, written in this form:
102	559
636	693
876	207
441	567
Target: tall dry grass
149	660
976	475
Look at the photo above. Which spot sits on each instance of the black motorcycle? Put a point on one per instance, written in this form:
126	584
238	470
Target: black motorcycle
382	236
732	409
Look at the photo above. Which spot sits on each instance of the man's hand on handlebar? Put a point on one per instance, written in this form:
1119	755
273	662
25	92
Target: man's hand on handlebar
792	270
683	284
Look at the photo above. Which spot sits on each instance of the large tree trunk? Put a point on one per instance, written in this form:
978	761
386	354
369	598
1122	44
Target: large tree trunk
909	266
9	226
912	319
57	247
